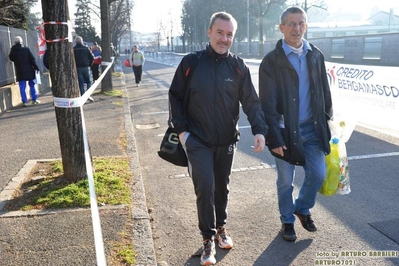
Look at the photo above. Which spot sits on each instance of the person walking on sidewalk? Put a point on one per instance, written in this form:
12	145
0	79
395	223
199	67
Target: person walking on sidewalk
206	121
96	50
84	59
137	62
25	67
296	100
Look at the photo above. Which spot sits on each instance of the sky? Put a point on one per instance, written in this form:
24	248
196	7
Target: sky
147	14
361	6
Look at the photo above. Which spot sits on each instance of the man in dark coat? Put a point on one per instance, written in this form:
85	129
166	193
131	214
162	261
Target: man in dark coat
25	66
84	59
296	100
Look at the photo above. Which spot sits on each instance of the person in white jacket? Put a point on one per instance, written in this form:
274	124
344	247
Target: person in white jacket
137	62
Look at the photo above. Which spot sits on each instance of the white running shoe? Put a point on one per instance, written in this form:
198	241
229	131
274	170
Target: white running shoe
224	240
208	253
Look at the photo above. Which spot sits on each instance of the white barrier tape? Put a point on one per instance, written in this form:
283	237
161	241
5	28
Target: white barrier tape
79	102
68	103
98	236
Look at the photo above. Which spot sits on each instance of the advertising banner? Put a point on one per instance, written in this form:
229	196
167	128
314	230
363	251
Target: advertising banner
366	95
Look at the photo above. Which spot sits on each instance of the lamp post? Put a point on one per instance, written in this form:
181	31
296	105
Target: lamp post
130	26
248	28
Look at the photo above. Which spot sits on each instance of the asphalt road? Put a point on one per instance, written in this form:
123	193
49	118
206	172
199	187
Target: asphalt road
349	225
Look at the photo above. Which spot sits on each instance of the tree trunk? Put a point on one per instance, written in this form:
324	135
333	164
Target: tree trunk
106	83
65	85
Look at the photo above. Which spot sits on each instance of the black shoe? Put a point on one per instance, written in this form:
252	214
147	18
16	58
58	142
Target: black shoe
288	232
306	221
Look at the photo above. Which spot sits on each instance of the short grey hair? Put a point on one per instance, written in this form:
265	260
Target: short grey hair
79	39
18	39
292	10
224	16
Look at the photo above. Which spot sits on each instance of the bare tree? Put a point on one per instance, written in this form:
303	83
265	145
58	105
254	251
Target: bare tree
63	71
119	19
83	26
308	4
262	8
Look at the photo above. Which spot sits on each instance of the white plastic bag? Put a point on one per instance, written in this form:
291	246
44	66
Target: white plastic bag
344	187
342	126
337	170
38	79
343	123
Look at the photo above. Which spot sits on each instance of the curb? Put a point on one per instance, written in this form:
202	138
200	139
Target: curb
142	233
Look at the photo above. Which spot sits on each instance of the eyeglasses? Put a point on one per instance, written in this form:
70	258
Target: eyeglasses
294	25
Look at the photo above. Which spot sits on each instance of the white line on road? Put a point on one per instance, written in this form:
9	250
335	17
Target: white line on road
378	155
271	166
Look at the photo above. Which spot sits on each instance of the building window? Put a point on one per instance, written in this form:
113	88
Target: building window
338	48
372	48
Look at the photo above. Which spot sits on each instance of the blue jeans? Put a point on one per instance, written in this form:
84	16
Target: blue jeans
83	77
22	89
315	172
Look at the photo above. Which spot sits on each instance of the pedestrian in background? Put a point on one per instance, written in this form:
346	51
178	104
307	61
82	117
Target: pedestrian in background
137	62
296	100
96	50
206	122
84	59
25	67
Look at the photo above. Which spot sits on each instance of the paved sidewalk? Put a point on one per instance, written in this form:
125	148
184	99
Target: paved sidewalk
65	237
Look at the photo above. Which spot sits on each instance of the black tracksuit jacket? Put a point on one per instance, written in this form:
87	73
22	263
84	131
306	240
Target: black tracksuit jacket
218	85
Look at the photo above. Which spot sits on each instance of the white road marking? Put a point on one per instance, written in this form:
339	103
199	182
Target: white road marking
271	166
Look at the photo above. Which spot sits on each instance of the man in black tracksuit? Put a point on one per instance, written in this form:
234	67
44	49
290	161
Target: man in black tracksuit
206	122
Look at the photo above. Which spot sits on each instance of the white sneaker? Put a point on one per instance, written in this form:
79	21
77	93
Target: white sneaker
91	99
224	240
208	253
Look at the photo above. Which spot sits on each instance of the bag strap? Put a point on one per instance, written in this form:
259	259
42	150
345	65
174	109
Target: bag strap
193	62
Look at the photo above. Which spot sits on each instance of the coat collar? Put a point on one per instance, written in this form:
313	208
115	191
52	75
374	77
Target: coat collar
215	55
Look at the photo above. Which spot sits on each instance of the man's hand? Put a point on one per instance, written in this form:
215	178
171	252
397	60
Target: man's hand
181	136
259	143
279	150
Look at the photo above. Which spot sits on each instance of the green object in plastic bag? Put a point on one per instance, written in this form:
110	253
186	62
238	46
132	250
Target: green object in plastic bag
333	170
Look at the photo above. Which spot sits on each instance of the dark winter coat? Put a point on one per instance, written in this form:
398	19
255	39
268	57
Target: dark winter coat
83	56
24	62
279	94
217	87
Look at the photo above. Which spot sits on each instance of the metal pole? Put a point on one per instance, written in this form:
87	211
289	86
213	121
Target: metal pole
248	28
130	25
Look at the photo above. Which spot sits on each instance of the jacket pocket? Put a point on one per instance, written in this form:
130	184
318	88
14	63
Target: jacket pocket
286	155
